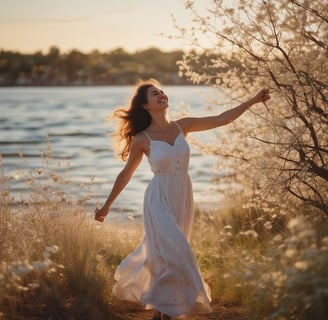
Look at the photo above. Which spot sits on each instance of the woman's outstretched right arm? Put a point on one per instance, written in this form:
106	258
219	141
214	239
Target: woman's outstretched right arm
135	157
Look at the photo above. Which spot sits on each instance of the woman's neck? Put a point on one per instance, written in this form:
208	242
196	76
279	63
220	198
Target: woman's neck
159	122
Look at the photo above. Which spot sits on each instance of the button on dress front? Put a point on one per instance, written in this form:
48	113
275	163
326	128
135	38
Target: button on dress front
162	273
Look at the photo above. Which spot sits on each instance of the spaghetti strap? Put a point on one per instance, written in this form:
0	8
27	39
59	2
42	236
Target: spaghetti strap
147	135
178	126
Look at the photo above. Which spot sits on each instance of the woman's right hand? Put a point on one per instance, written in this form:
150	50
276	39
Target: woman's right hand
101	213
262	96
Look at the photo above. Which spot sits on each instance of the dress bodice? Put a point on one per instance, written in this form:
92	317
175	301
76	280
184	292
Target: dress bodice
169	160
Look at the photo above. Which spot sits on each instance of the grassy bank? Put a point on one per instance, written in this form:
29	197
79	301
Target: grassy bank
273	265
58	263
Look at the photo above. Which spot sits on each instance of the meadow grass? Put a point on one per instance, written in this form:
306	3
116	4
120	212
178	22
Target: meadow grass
274	265
58	263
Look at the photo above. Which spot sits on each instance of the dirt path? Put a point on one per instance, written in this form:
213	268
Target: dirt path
219	312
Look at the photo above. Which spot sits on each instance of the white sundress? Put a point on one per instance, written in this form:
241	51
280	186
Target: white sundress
162	273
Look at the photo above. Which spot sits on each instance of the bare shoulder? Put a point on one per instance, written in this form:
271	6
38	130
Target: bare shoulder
186	123
140	141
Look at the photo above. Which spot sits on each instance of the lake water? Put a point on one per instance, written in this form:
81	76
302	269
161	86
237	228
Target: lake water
75	120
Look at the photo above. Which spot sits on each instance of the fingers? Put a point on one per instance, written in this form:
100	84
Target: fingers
99	215
265	94
100	218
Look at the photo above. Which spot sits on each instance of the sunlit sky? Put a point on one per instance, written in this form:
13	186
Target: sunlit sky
31	25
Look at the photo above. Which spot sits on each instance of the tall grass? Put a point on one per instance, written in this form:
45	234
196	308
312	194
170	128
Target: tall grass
58	263
274	265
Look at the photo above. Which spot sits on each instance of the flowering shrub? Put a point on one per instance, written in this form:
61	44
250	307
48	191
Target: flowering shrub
292	277
281	149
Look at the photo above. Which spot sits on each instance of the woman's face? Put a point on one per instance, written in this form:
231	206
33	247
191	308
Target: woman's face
156	99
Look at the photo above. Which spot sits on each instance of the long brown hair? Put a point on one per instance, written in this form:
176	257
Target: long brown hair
134	119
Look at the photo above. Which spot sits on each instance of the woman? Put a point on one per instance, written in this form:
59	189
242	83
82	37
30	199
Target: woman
162	272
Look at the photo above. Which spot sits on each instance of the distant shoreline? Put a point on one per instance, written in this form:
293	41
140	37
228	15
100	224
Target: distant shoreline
75	68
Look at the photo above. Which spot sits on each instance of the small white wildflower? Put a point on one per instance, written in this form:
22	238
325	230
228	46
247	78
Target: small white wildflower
49	251
130	216
21	269
227	227
302	265
51	270
297	224
17	175
277	238
33	285
283	212
268	225
250	233
52	249
279	278
324	242
269	210
41	265
21	288
290	253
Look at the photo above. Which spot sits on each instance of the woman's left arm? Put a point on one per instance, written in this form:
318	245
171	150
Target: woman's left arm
205	123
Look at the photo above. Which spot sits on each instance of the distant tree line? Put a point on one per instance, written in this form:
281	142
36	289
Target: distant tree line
116	67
